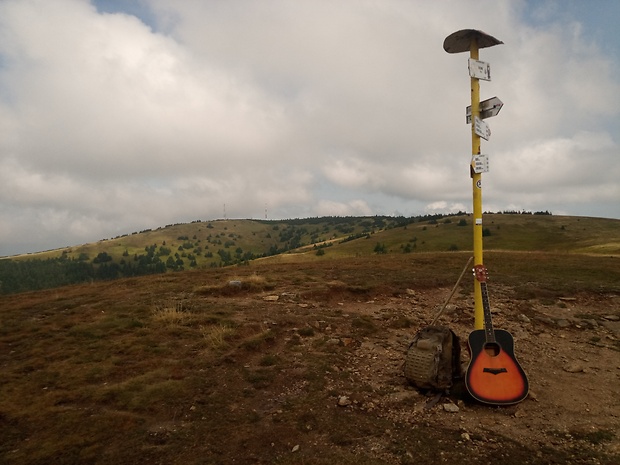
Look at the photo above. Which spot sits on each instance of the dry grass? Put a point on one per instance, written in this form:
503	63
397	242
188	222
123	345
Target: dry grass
253	279
100	374
171	313
261	337
208	289
218	336
235	284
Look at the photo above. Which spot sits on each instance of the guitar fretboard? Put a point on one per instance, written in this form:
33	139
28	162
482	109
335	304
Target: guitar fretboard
488	323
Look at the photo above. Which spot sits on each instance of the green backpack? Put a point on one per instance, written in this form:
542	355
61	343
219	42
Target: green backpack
433	359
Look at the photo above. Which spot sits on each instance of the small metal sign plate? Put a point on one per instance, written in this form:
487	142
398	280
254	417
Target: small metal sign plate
488	109
479	70
480	163
481	128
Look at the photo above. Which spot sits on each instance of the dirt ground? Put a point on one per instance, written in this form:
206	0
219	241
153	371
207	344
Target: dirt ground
568	348
306	368
572	364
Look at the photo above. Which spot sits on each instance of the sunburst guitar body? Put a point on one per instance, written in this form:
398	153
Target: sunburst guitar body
494	375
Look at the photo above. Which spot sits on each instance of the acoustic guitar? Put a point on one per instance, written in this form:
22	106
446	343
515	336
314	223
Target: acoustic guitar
494	375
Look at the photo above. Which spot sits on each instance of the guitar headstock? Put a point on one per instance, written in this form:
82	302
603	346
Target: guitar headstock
481	273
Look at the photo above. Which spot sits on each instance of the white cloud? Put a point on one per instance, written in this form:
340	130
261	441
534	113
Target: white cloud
576	171
108	125
351	208
442	206
122	101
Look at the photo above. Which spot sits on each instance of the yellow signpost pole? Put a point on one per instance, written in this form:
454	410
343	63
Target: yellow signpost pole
472	40
476	189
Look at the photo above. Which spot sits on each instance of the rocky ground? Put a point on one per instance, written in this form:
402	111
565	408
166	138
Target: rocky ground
569	350
568	347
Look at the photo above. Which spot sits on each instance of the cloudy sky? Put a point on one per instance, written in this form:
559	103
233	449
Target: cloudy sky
122	115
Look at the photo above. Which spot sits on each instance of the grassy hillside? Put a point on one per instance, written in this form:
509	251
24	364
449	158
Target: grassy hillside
359	235
302	364
214	244
209	241
540	233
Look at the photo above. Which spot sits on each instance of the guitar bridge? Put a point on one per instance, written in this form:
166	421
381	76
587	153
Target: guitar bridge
495	371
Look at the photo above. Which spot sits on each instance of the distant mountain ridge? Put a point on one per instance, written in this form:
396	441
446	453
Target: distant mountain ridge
218	243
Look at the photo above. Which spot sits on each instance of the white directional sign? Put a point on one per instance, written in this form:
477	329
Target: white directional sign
479	70
488	109
482	129
480	163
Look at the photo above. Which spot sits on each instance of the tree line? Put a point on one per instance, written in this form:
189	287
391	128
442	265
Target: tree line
36	274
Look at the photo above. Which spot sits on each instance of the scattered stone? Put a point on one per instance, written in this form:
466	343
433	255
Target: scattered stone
568	299
295	448
369	405
545	319
410	292
592	323
611	317
562	323
521	335
574	367
234	283
344	401
465	436
524	318
369	346
613	326
450	308
452	408
271	298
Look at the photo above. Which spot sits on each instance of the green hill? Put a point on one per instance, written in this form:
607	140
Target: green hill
214	244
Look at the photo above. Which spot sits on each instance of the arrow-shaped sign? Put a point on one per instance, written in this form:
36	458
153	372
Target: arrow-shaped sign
488	109
481	128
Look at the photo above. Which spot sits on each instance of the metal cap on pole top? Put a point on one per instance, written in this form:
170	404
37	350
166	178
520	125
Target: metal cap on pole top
460	41
471	40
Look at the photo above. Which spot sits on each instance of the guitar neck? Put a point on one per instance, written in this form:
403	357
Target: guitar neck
488	323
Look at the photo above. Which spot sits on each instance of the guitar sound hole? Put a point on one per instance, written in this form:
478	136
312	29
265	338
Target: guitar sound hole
492	349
